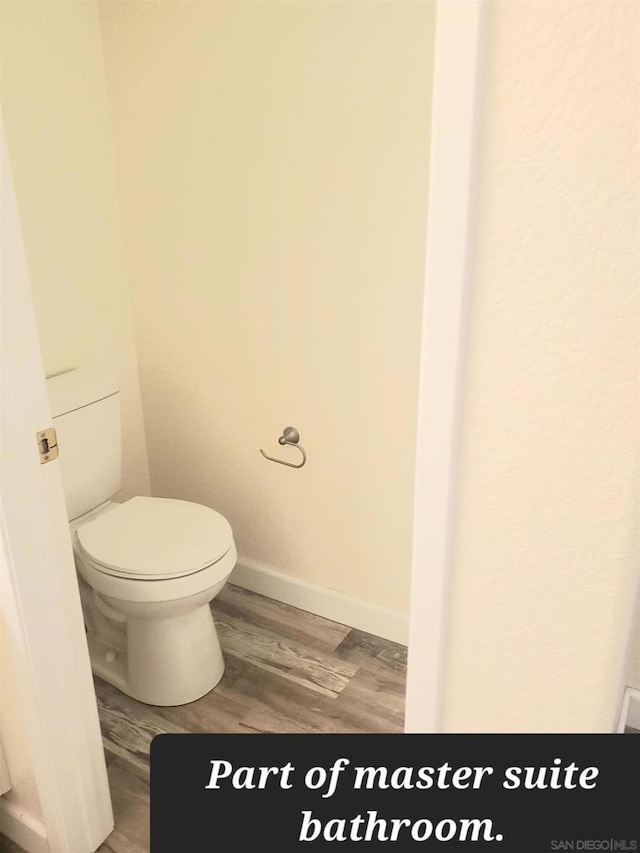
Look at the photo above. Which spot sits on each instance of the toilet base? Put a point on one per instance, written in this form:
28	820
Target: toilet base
158	659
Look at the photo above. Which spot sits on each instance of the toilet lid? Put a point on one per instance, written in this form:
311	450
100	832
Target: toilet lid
156	538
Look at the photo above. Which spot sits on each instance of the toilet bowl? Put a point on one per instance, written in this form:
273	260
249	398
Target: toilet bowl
153	566
148	568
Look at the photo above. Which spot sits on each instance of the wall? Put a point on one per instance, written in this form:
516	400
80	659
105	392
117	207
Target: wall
273	163
546	546
251	219
56	114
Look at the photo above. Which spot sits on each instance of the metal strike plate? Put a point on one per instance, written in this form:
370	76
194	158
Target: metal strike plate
47	445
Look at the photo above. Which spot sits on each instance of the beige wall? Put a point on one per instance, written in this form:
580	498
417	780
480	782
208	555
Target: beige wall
56	113
273	179
546	550
273	163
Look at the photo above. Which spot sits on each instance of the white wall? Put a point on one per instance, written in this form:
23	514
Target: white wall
58	128
273	164
546	547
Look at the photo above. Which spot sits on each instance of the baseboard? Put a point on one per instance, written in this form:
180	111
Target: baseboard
22	828
630	715
334	605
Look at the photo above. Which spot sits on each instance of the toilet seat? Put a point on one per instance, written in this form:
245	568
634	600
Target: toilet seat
151	539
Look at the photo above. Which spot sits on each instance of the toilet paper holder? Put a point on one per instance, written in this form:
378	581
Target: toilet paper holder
290	436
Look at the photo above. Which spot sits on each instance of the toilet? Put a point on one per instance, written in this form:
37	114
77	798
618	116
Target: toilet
148	567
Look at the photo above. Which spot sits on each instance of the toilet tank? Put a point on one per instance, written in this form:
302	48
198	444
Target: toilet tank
85	406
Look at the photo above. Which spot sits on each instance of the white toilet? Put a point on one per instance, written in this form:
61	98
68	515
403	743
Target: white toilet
148	567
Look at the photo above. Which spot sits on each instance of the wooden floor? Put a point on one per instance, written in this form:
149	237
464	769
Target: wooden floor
286	671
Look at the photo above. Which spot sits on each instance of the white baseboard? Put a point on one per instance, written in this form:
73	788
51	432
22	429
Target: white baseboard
22	828
334	605
630	715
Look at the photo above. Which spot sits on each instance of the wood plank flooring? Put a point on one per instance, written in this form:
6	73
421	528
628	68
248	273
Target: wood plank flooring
286	671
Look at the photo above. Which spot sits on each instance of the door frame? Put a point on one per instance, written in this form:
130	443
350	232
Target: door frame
45	618
457	63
